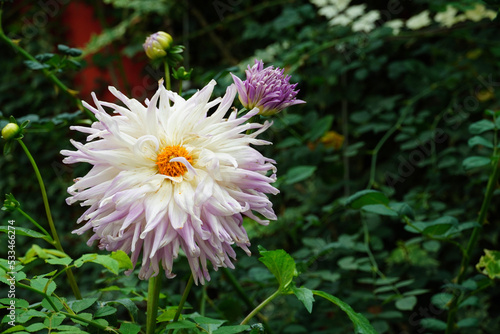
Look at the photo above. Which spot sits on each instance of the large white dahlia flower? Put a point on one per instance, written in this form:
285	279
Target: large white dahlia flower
169	177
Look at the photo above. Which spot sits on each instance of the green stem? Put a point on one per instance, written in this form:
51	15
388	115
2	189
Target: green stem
490	188
180	87
167	74
37	225
154	287
260	306
53	230
71	93
90	322
183	300
234	282
46	296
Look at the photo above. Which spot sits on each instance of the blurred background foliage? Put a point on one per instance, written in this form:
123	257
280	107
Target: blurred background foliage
386	109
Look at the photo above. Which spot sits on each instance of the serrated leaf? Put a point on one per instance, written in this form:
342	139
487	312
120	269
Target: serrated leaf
406	303
129	328
305	295
475	162
481	126
361	324
231	329
489	264
80	305
123	259
281	265
299	173
366	197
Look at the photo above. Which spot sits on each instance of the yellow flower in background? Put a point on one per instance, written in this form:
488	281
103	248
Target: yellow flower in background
332	139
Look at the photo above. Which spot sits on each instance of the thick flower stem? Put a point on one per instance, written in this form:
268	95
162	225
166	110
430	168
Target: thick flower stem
55	236
490	188
153	298
50	239
183	300
260	306
167	75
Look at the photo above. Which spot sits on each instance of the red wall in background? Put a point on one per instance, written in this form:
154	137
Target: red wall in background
81	23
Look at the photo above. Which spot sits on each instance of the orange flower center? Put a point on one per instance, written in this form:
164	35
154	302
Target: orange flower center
172	168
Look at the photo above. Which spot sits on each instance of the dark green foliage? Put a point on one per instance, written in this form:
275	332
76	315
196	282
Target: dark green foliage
382	173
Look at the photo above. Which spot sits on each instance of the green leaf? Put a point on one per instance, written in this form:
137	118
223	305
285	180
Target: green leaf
468	322
42	284
181	324
298	173
124	261
208	324
26	232
280	264
104	311
14	329
471	301
475	162
406	303
129	328
35	65
105	260
80	305
481	126
481	141
366	197
442	300
35	327
305	296
433	324
380	209
231	329
65	261
489	264
86	316
129	305
361	324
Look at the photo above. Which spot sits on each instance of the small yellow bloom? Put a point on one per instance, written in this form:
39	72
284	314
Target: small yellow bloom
332	139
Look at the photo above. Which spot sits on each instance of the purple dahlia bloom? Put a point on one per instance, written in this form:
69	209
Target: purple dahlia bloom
167	176
267	89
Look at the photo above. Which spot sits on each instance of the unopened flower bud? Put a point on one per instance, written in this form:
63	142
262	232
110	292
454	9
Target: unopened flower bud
10	131
10	203
157	44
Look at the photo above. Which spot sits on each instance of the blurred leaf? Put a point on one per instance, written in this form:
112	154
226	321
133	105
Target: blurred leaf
299	173
481	141
433	324
129	328
231	329
35	65
406	303
123	259
366	197
481	126
181	324
468	323
475	162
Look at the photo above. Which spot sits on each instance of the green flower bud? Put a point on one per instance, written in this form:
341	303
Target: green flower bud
10	203
157	44
182	74
10	131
